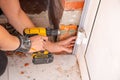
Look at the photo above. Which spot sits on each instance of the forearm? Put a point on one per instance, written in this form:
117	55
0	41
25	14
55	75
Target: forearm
20	21
7	41
16	16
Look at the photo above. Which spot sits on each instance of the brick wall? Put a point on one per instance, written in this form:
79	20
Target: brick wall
73	4
70	17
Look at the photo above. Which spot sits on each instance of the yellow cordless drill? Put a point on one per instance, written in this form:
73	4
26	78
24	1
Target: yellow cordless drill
41	57
41	31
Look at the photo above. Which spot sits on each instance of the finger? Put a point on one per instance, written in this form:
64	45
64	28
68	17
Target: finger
71	45
72	38
42	48
68	50
44	44
44	38
72	42
67	41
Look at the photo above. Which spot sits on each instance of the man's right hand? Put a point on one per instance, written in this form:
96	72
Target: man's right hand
37	43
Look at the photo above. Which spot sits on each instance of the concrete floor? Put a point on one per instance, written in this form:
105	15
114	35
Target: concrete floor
64	67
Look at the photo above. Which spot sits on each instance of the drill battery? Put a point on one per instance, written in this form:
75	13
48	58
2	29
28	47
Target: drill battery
42	57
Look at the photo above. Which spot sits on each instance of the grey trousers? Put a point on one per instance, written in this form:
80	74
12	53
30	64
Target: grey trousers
3	62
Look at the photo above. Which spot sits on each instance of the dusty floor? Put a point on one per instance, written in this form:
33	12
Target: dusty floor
64	67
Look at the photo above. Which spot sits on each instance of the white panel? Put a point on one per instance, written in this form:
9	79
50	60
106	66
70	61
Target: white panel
86	22
88	15
103	54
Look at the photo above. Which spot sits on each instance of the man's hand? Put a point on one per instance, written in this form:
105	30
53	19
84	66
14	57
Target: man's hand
37	43
68	42
62	46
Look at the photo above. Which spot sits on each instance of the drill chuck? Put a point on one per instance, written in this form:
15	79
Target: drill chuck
52	32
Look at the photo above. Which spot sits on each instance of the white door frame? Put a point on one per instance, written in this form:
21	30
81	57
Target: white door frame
87	21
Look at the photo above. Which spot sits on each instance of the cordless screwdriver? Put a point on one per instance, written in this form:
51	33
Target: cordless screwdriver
41	57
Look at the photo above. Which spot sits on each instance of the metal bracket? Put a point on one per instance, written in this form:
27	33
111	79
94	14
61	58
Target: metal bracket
81	36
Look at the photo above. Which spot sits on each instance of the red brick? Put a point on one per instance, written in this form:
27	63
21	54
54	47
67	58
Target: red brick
63	3
72	5
67	31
